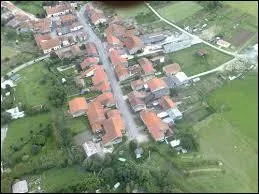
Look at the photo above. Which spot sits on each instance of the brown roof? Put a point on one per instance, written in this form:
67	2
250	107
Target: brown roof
116	30
51	43
67	18
91	69
75	49
116	58
58	8
133	42
39	38
113	112
111	39
104	86
106	98
91	48
156	84
137	83
113	128
89	8
95	115
135	98
89	61
146	65
99	76
96	15
166	102
121	71
77	104
43	25
155	125
172	68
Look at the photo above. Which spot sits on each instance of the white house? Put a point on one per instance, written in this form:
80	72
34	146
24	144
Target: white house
7	82
20	187
15	113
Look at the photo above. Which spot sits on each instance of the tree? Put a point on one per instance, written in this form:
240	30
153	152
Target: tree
53	55
57	96
5	118
38	140
7	103
108	175
173	92
78	154
188	141
35	149
6	182
211	5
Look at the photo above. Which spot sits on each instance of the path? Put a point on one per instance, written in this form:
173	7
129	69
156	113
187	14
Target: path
20	67
205	170
16	10
131	126
3	135
191	35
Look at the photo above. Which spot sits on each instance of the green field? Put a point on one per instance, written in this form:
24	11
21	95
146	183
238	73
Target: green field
77	125
33	7
192	64
132	11
7	51
179	11
29	90
21	129
250	7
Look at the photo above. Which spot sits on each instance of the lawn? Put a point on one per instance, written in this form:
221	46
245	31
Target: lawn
7	51
33	7
179	11
250	7
218	137
193	64
21	129
77	125
69	72
240	96
29	90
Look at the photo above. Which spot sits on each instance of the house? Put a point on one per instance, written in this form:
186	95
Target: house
136	101
104	86
156	127
57	10
113	40
146	66
64	41
117	59
47	43
95	114
91	50
67	19
42	25
223	43
82	36
180	78
99	76
113	127
89	61
134	44
153	38
135	69
89	8
174	113
166	103
97	17
15	113
116	30
75	26
106	99
78	106
137	84
20	187
91	148
158	87
75	50
112	113
89	72
122	72
171	69
7	82
170	108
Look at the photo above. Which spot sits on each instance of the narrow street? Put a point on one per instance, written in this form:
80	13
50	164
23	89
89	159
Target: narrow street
132	131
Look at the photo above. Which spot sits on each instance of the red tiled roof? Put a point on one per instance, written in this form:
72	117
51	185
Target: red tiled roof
172	68
99	76
113	128
112	113
51	43
77	104
67	18
106	98
113	40
155	125
39	38
133	42
96	15
121	71
89	61
146	65
135	98
104	86
91	48
136	83
116	59
156	84
95	115
58	8
91	69
116	30
43	25
166	102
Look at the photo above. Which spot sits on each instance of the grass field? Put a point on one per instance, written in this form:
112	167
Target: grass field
250	7
34	7
21	128
77	125
29	90
192	64
7	51
179	11
132	11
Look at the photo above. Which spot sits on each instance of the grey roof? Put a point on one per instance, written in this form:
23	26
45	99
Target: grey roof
169	81
15	77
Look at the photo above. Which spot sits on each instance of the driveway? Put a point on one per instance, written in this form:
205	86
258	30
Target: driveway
131	126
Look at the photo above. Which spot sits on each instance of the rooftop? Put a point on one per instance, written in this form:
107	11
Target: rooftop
156	84
77	104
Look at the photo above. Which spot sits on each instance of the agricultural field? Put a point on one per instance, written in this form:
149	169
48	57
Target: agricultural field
193	64
250	7
179	11
34	7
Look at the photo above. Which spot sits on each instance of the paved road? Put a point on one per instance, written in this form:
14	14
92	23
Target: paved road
20	67
3	135
118	95
193	36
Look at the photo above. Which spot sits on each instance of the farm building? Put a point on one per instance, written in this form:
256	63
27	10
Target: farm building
15	113
20	187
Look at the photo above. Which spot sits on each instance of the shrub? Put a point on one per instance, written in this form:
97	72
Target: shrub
35	149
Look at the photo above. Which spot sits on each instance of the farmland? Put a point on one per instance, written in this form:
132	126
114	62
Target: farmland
179	11
250	7
192	64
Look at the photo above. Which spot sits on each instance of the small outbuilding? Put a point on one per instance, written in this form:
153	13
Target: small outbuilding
20	187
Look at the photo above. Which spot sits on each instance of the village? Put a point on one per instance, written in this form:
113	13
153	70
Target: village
121	82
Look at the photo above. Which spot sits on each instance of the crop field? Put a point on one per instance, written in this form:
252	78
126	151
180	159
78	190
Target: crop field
193	64
179	11
250	7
